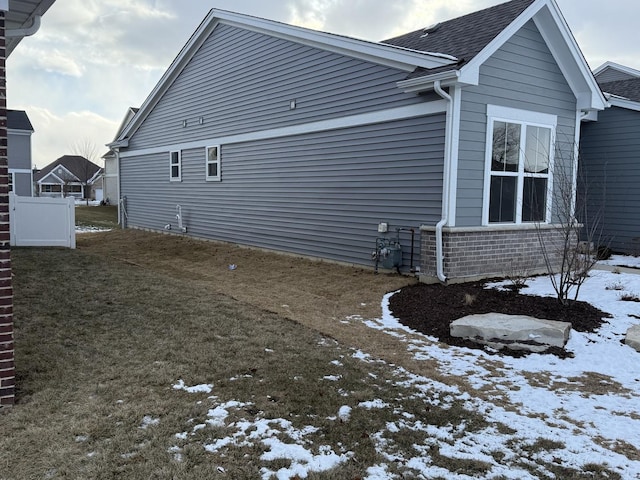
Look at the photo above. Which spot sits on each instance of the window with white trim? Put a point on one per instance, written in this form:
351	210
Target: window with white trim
175	166
11	181
213	163
519	162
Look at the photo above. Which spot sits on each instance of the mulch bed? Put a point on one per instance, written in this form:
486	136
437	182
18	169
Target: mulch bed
430	309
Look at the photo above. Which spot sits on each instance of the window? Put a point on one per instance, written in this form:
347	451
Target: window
519	159
10	181
213	163
175	167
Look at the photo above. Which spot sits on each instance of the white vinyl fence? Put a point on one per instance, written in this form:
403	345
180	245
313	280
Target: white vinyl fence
42	222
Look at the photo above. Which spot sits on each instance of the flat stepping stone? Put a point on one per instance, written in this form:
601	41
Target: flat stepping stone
633	337
517	332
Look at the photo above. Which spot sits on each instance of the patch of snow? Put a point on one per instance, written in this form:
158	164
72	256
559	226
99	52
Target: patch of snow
344	413
148	421
202	388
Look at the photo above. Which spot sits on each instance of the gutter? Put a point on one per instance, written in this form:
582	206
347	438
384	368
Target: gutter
25	32
445	181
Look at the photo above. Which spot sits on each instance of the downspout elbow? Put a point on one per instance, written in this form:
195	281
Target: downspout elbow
445	183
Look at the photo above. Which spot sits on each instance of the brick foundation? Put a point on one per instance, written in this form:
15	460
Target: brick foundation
7	366
485	252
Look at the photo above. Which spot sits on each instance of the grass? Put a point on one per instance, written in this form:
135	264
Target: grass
129	314
97	216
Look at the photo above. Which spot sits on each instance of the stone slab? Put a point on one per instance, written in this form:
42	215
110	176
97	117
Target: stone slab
519	332
633	337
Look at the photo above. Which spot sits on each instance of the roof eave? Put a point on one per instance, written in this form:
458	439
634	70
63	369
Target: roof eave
425	83
399	58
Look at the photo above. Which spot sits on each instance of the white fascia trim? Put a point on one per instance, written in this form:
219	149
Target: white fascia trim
617	66
566	51
624	103
96	175
380	53
411	111
421	84
523	116
14	131
456	96
56	179
19	170
403	59
470	73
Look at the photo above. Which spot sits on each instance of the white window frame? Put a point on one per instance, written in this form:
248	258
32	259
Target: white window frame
208	161
178	164
524	118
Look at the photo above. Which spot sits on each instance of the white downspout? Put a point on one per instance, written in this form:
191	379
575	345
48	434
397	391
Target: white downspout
445	181
117	152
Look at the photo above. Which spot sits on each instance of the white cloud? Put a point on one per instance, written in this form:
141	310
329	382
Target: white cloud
55	134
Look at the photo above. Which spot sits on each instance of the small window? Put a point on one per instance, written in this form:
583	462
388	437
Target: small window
520	152
213	163
10	180
175	166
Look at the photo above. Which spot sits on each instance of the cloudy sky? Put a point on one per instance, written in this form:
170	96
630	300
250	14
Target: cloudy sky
92	59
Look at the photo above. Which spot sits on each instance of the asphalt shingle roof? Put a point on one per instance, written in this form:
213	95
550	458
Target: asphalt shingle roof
623	88
79	166
18	120
463	37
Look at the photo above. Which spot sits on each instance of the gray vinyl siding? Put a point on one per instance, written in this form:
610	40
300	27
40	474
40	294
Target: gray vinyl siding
320	194
22	184
19	150
610	165
522	74
241	81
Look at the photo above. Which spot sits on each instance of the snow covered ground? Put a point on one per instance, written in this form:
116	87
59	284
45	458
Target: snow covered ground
536	397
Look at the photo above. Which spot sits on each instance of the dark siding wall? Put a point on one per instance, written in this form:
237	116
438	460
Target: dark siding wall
320	194
610	165
240	81
522	74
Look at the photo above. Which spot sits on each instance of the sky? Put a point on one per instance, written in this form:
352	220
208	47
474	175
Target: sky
93	59
543	395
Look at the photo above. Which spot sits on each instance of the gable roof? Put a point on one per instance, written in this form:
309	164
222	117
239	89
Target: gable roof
82	169
454	50
463	37
131	112
628	89
18	120
625	71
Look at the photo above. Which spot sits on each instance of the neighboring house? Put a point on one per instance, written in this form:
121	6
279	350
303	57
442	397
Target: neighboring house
610	160
69	175
280	137
110	175
19	130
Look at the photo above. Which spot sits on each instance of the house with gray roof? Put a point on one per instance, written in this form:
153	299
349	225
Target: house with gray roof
432	152
610	160
69	176
19	131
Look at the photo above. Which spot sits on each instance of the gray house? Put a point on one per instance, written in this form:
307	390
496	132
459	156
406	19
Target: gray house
110	176
610	159
280	137
19	130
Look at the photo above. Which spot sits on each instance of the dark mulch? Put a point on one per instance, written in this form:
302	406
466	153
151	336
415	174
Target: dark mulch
430	309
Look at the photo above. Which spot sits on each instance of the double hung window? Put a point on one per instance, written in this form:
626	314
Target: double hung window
175	166
519	162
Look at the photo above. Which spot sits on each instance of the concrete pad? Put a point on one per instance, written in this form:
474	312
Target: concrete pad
633	337
518	332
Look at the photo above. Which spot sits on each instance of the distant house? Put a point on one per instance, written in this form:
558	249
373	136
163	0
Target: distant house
19	130
70	175
111	162
610	159
281	137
